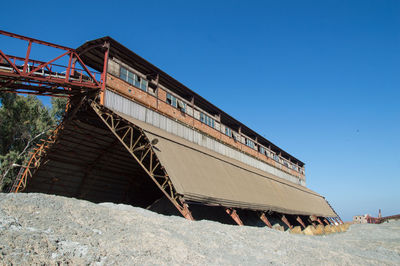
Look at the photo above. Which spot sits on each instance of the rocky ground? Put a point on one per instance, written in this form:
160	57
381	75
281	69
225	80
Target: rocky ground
45	229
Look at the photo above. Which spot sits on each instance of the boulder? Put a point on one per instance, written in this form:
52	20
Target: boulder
296	230
310	230
278	227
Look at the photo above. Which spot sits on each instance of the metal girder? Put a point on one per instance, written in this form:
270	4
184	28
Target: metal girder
334	212
300	222
264	218
26	75
36	160
139	146
331	220
41	152
233	214
285	220
338	220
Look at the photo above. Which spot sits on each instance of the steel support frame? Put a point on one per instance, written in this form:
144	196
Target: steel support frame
332	220
337	216
285	220
36	160
37	77
338	220
298	219
139	146
40	153
319	221
264	218
233	214
104	74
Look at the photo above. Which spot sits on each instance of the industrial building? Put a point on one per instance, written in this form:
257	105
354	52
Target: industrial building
138	136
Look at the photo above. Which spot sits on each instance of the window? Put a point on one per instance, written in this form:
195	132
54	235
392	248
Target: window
276	158
123	73
250	143
228	131
286	164
133	79
181	106
234	137
207	120
172	100
261	149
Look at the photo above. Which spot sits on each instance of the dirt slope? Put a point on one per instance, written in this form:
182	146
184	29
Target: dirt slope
38	228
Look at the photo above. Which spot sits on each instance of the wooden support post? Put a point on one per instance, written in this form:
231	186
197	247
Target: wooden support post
300	222
264	218
326	221
285	220
232	212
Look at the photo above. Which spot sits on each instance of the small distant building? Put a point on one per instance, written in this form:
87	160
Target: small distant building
360	219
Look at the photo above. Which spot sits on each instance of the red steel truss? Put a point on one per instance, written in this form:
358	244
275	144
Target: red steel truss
26	75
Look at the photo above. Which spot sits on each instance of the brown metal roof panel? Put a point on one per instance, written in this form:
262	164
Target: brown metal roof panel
206	176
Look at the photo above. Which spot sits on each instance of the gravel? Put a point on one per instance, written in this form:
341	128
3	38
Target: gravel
54	230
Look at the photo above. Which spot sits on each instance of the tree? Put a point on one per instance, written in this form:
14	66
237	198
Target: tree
23	122
58	108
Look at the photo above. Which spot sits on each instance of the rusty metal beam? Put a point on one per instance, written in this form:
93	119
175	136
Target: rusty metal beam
131	143
264	218
21	37
26	75
338	220
233	214
104	73
300	222
35	161
285	220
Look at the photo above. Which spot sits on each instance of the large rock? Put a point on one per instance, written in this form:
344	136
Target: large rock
296	230
328	229
310	230
344	227
278	227
336	228
320	229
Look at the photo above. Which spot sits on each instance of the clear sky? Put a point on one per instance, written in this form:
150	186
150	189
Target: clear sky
318	78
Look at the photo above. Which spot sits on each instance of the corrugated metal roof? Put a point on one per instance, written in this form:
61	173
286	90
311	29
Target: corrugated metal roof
205	176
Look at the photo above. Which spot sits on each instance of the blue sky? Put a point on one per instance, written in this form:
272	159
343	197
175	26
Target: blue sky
318	78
